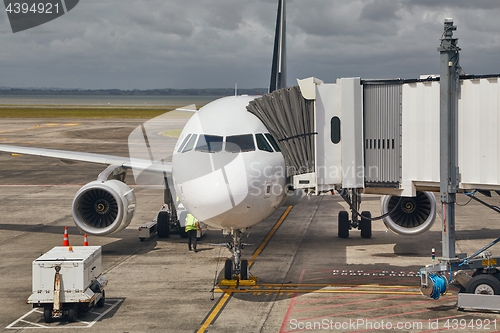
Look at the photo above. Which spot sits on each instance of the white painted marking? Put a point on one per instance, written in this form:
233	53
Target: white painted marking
113	303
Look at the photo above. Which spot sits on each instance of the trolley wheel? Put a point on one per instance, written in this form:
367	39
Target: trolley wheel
343	224
100	302
366	225
162	224
244	270
72	312
47	314
228	269
483	284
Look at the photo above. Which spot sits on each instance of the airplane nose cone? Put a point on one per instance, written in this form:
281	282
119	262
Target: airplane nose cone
210	195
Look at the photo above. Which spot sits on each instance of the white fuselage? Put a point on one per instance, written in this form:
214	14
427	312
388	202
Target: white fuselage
226	167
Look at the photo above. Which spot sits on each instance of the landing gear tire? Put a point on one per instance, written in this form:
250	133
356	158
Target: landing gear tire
228	269
100	302
366	225
244	270
182	232
483	284
72	312
343	224
162	223
47	314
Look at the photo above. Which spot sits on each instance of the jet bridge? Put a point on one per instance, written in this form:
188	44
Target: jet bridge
401	137
382	135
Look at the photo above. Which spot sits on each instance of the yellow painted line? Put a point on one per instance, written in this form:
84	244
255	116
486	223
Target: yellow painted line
214	312
19	129
323	285
325	291
38	126
269	236
228	292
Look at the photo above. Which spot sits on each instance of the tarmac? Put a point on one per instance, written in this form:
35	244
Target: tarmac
308	279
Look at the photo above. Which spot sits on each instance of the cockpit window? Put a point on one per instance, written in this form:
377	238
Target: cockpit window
183	143
273	142
262	143
240	143
190	143
209	143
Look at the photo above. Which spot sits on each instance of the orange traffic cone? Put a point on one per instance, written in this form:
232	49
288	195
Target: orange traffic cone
85	240
66	239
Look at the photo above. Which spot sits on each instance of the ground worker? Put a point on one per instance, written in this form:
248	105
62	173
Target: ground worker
192	227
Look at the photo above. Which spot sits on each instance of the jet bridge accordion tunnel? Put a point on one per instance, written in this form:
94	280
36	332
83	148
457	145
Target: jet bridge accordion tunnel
382	137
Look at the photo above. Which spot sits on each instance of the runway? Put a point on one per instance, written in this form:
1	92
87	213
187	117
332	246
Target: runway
307	278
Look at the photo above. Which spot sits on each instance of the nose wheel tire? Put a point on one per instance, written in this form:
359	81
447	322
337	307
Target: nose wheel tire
244	270
228	269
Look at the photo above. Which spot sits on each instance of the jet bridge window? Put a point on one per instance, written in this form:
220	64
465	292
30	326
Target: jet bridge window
189	146
240	143
273	142
209	143
335	130
262	143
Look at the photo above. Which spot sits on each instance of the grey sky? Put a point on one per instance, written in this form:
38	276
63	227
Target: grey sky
128	44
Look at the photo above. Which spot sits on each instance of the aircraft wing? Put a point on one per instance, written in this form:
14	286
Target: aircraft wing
72	156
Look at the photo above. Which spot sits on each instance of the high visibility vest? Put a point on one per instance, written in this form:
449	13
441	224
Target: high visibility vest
191	223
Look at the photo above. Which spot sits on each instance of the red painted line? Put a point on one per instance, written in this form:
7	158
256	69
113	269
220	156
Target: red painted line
350	303
321	299
290	307
364	310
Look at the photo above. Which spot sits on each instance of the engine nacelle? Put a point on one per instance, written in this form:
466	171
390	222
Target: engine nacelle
410	215
103	207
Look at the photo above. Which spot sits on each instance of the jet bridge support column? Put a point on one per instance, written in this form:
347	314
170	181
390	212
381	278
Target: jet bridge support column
449	174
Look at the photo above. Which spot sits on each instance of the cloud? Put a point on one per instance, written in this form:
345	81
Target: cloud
131	44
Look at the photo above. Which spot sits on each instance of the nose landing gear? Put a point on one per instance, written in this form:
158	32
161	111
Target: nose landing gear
236	268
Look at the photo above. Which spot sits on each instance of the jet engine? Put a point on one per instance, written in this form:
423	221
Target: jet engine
103	207
409	215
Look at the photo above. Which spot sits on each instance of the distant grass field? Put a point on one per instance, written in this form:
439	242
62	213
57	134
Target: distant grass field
41	111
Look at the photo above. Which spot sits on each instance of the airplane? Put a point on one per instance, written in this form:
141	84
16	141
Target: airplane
227	170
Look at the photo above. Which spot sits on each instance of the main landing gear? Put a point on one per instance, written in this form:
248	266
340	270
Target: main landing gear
363	222
235	269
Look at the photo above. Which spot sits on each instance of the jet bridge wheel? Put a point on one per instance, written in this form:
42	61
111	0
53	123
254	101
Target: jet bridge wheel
366	225
228	269
162	222
483	284
343	224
